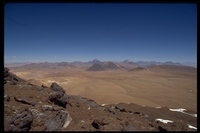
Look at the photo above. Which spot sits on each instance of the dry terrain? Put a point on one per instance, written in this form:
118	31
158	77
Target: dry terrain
144	99
152	87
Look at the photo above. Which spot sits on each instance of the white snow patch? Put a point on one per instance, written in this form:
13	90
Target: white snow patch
67	121
47	106
163	121
89	108
191	127
103	104
82	121
182	111
178	110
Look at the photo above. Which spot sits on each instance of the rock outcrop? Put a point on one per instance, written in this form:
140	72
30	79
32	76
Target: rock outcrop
20	121
58	98
54	86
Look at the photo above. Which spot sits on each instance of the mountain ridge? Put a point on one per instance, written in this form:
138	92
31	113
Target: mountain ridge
126	64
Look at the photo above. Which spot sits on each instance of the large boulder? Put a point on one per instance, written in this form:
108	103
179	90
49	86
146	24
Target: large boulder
11	78
59	98
6	70
6	74
49	118
57	121
54	86
97	124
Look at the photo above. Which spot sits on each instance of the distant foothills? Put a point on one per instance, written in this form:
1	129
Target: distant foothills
96	61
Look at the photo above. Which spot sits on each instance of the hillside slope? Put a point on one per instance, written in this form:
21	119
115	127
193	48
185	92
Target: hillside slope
42	108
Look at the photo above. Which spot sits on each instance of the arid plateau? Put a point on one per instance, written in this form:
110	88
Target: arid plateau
154	86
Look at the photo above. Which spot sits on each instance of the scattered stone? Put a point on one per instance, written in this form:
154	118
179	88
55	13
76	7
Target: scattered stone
120	109
161	129
6	97
84	100
111	110
58	98
24	100
20	121
56	122
97	124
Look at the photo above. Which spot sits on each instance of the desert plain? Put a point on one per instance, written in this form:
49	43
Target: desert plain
152	87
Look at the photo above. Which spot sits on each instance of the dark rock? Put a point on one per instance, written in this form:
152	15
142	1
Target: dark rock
84	100
121	109
54	86
44	86
24	100
6	70
136	112
161	129
39	88
55	95
10	77
111	110
56	122
20	121
14	78
129	128
58	98
6	97
97	124
64	99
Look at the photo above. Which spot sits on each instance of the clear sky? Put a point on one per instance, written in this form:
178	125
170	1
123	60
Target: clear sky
56	32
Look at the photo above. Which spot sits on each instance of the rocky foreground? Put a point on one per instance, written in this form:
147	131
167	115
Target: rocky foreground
29	107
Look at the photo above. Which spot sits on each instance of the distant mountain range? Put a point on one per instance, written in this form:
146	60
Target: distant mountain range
101	66
126	64
174	68
150	63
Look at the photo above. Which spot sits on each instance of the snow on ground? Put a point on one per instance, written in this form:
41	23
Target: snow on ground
191	127
182	111
178	110
103	104
164	121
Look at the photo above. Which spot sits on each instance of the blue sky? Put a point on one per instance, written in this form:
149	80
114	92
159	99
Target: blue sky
108	32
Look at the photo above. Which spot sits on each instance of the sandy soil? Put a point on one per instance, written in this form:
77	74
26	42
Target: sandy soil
146	87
